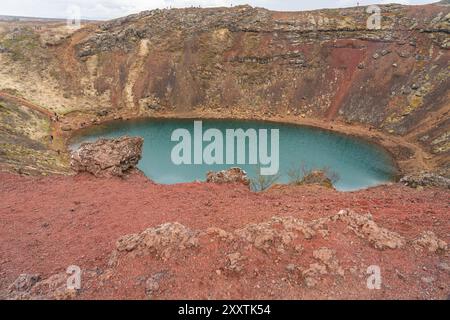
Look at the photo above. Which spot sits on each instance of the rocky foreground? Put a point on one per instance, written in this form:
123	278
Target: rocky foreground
136	239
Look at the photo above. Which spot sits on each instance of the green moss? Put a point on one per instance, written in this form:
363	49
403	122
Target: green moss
22	44
21	121
40	160
24	136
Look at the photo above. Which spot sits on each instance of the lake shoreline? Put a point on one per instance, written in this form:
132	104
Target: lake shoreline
358	163
413	162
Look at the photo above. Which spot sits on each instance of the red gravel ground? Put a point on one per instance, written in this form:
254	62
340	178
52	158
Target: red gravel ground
49	223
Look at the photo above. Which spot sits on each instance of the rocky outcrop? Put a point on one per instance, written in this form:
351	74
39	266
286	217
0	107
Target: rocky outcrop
425	179
152	284
160	241
108	157
232	175
428	240
124	32
279	233
316	252
326	263
34	287
364	227
24	282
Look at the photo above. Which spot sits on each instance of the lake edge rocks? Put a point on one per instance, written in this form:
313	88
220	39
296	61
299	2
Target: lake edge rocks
108	157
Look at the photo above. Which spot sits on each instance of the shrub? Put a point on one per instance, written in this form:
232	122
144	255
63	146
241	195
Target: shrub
303	175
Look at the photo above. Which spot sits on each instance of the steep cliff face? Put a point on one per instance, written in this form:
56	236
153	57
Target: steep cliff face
320	64
324	65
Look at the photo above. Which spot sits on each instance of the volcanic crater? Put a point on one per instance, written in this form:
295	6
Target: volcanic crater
134	238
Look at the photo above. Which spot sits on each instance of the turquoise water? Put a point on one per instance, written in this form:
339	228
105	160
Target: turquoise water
358	163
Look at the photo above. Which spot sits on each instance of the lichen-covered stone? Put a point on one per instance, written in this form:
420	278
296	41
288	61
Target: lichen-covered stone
425	179
232	175
108	157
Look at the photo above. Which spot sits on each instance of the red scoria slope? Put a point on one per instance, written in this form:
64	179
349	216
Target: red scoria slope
228	242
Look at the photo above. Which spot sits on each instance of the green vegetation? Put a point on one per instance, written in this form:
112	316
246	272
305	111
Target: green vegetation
21	43
303	175
26	159
261	182
25	140
24	122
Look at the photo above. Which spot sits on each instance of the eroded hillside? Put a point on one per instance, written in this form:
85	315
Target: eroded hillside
323	66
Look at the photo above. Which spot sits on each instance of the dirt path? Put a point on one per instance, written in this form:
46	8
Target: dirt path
26	103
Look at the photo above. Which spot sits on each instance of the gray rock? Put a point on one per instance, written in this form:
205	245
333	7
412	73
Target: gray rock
444	266
24	282
152	285
428	279
102	113
425	179
290	267
232	175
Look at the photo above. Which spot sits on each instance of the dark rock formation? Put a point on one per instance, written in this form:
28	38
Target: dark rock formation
232	175
108	157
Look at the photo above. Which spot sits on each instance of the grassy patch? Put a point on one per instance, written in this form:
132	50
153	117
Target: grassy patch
26	158
21	44
22	121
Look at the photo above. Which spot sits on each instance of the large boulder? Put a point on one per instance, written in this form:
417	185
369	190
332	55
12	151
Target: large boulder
108	157
232	175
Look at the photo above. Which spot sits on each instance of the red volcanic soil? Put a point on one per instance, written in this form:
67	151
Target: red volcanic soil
49	223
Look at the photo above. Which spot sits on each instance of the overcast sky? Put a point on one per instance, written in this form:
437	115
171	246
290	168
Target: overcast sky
107	9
